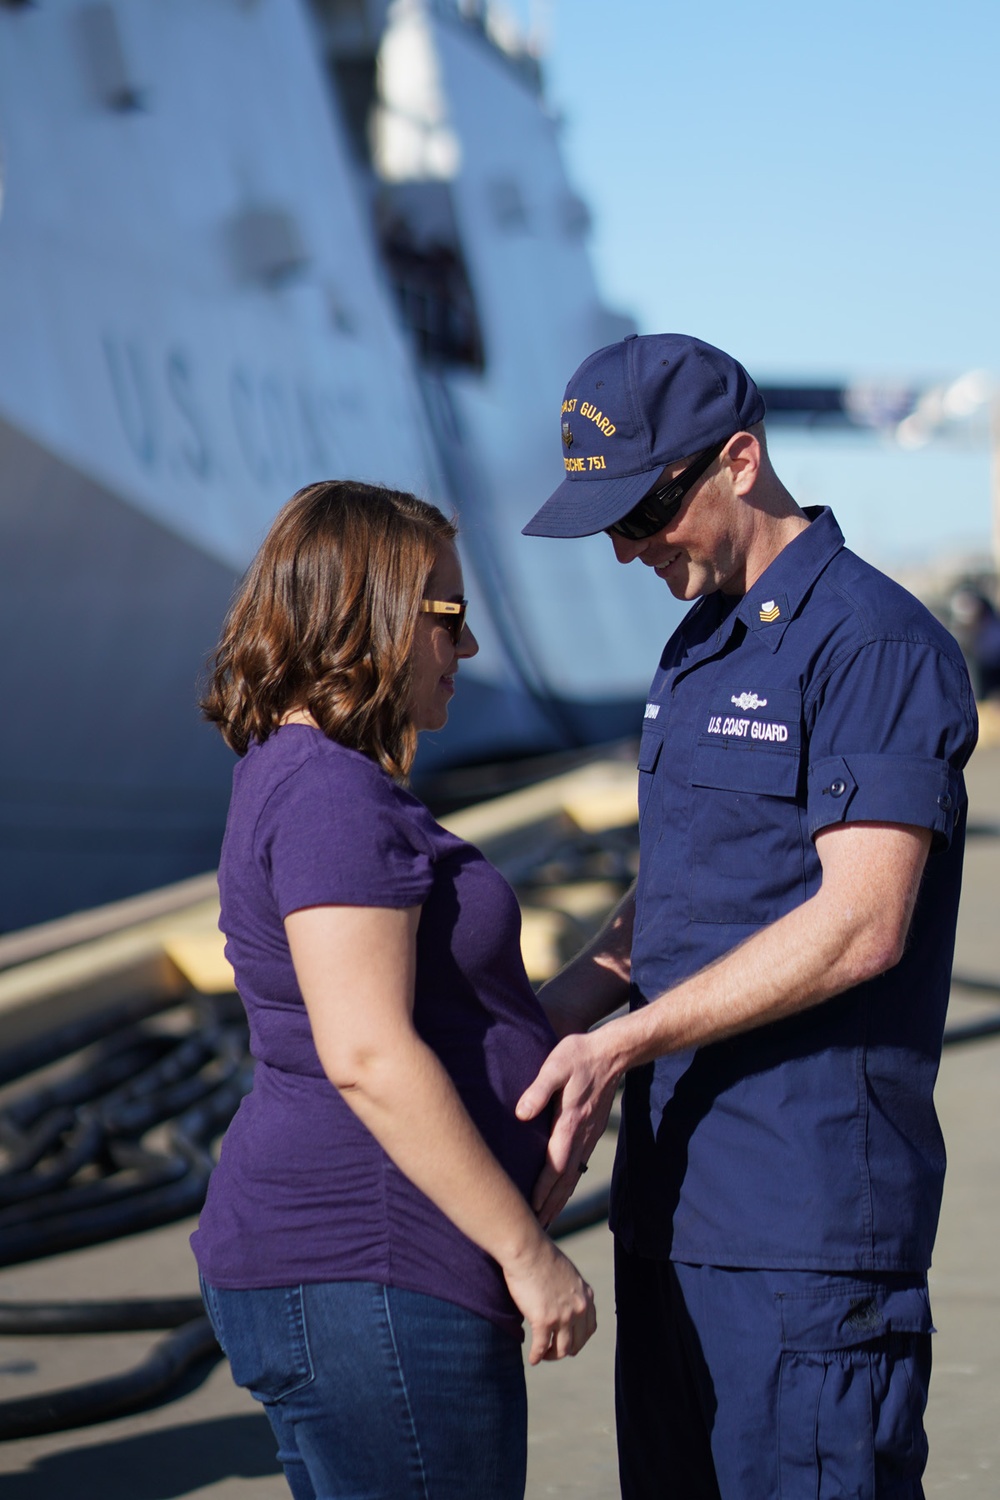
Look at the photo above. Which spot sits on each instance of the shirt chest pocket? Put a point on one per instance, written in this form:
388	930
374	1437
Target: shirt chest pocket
748	798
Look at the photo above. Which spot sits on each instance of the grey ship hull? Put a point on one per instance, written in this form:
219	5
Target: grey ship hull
207	298
108	783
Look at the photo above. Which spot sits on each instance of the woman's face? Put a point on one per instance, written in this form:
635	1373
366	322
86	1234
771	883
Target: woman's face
435	655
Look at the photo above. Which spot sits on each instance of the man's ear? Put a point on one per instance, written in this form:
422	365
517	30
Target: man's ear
743	459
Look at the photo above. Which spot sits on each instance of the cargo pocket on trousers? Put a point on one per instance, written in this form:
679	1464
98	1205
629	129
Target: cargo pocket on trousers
855	1366
263	1335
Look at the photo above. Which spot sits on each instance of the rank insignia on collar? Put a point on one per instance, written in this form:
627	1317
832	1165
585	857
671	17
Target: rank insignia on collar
769	612
567	433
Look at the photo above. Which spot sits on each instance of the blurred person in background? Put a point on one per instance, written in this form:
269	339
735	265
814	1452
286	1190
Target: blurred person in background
977	626
367	1250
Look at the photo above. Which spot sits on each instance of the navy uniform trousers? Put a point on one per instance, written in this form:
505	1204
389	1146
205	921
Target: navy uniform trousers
769	1385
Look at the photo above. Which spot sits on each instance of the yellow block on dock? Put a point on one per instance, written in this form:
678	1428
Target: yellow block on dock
197	947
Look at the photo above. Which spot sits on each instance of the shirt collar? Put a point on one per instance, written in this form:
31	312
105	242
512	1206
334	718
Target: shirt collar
774	599
778	594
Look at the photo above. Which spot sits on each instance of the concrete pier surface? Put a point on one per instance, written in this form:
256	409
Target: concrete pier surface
212	1442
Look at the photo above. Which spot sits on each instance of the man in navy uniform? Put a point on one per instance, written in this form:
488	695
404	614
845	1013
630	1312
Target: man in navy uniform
786	955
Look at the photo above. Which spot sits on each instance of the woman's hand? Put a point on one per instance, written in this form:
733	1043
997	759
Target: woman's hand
555	1300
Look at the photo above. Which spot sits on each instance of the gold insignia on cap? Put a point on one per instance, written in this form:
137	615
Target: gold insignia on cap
769	612
567	433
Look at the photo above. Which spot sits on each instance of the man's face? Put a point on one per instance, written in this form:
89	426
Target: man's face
705	547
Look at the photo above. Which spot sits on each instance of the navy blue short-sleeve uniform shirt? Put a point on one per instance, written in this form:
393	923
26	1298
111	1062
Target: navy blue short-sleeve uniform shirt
827	694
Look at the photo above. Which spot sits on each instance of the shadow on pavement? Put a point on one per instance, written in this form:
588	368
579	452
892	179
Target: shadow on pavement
162	1465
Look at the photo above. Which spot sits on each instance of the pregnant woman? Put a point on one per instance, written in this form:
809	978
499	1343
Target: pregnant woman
367	1251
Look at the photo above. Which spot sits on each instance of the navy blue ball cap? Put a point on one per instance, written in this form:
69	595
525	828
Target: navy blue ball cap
631	409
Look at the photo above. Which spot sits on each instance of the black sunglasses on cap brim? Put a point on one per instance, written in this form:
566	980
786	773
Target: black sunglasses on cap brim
658	508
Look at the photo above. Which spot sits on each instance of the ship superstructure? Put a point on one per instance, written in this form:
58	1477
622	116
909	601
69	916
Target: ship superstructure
245	244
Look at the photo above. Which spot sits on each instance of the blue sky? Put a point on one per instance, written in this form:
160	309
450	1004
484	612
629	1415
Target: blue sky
813	187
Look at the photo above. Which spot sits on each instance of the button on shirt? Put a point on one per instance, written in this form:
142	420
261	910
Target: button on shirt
827	694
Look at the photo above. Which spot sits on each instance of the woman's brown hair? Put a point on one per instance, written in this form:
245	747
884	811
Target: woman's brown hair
324	620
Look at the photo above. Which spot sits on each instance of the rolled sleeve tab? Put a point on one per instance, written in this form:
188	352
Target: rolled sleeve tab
884	789
832	788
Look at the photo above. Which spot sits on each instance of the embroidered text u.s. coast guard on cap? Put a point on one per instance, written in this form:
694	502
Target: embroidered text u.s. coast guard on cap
632	408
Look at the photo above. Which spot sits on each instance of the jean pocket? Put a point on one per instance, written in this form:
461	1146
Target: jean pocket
855	1366
263	1333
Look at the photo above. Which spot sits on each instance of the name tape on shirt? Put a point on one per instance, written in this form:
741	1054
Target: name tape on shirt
733	728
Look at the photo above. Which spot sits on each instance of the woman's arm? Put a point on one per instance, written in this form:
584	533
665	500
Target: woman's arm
356	969
595	982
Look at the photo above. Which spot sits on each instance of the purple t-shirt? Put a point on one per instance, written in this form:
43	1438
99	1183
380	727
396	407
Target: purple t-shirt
303	1192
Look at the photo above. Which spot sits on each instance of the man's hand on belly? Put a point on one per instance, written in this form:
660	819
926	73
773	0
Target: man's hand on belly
581	1075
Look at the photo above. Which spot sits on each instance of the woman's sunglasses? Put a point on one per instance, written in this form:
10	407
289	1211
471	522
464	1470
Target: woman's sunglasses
452	612
658	508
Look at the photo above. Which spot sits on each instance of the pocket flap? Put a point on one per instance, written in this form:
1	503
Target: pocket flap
650	746
840	1318
747	768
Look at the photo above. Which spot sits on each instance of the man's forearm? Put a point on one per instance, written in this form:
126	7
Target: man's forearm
780	970
853	928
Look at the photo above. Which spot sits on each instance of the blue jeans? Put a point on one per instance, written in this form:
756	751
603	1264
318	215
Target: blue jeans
379	1394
